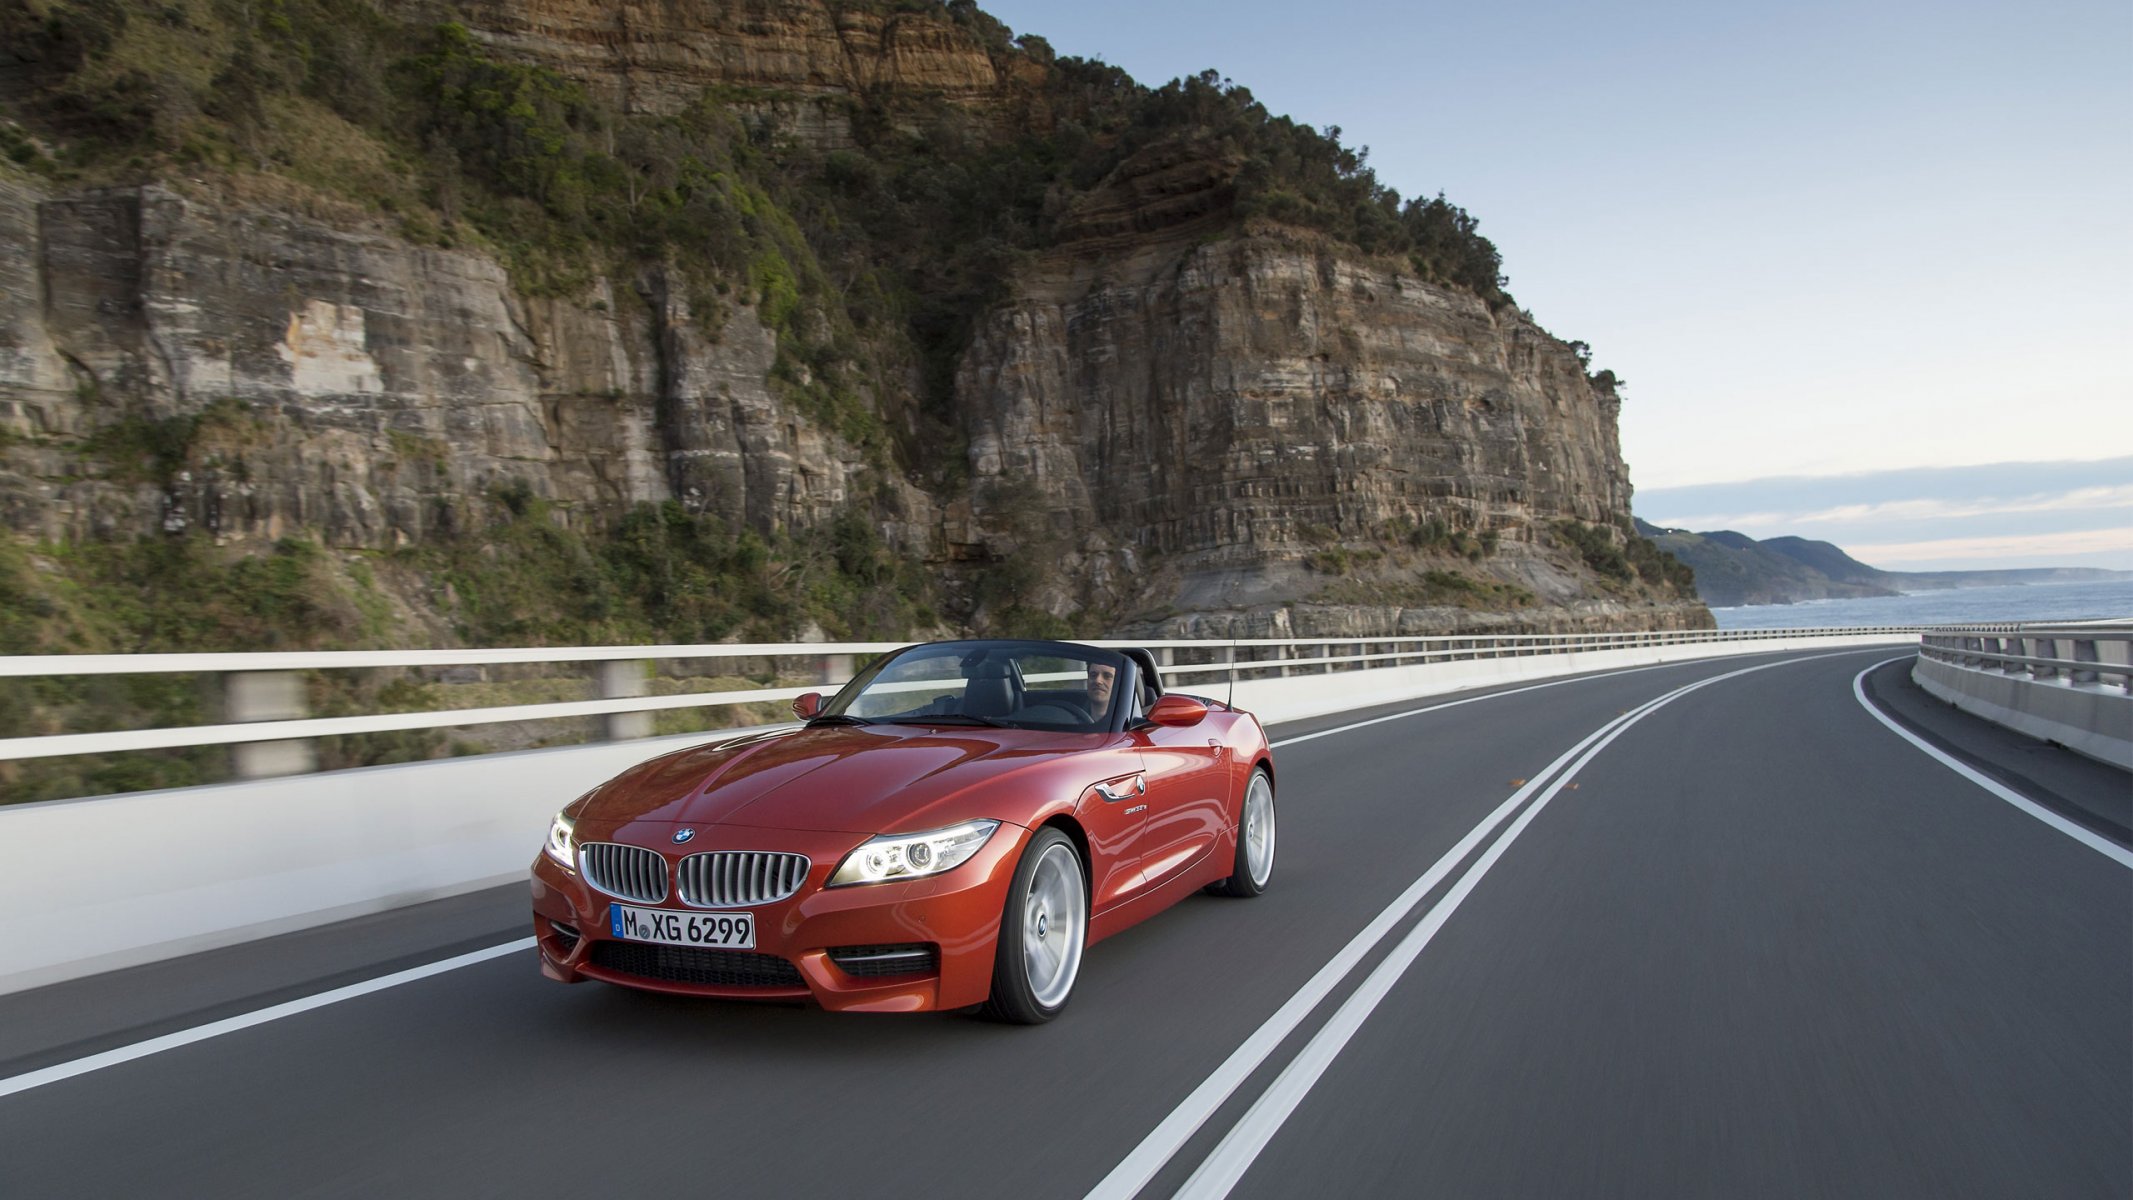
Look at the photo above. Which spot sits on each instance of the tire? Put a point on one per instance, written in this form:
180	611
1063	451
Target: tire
1043	931
1253	868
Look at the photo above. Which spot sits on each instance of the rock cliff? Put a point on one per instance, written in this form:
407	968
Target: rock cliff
800	63
372	391
1174	416
1208	417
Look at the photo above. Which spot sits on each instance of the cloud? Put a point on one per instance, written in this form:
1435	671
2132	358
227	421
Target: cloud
1814	493
2012	514
2096	547
2077	500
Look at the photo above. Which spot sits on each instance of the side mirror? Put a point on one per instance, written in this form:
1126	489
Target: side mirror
1181	712
808	707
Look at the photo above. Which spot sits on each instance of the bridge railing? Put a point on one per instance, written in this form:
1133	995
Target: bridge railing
188	865
265	722
2078	656
2071	685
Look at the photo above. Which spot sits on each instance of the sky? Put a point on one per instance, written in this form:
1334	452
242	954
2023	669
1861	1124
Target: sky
1828	240
2050	514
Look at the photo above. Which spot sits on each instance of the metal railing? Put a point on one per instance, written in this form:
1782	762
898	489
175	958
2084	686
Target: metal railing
2096	656
263	694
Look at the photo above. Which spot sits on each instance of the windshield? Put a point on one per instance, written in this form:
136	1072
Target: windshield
1020	685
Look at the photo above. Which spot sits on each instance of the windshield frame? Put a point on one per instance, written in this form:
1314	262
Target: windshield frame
1110	721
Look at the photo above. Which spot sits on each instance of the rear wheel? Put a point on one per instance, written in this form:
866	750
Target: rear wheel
1042	933
1254	865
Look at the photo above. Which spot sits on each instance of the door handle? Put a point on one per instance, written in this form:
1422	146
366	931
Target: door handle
1123	789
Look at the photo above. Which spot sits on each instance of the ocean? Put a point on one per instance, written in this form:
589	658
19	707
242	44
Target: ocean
2031	602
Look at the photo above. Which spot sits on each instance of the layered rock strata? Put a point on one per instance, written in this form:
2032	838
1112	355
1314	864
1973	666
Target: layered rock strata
1178	415
349	383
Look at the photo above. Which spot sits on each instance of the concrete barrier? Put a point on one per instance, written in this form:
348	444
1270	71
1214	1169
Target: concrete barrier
98	884
2094	719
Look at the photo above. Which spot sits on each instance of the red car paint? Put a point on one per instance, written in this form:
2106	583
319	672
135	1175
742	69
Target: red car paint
822	791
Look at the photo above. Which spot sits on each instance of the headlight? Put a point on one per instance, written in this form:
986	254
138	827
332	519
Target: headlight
563	841
913	855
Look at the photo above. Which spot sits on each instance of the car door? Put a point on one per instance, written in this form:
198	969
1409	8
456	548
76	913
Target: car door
1113	812
1187	788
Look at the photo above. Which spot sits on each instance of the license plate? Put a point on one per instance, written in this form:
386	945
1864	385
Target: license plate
725	930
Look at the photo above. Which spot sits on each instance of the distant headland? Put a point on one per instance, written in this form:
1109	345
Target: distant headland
1733	569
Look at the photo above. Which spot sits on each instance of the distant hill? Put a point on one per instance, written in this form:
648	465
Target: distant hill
1733	569
1831	561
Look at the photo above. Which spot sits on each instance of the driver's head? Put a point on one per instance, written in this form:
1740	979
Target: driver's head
1101	677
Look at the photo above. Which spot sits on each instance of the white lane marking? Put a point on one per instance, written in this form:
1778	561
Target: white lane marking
1138	1167
186	1037
1416	712
2089	838
1154	1151
124	1054
1240	1147
214	1029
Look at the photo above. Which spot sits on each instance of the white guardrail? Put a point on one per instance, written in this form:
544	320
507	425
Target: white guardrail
2069	684
101	883
259	682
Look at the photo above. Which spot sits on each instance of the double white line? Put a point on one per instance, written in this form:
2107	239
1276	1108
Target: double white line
1229	1160
1217	1087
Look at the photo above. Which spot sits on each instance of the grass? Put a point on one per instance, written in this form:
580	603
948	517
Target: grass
1433	589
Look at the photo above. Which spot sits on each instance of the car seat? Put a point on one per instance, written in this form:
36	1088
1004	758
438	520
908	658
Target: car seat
991	691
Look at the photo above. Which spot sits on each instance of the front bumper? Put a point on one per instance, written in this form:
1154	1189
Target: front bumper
955	913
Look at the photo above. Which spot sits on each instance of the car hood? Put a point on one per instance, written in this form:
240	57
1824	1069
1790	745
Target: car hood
843	778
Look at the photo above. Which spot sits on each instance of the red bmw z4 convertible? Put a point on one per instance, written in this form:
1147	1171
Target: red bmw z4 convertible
952	829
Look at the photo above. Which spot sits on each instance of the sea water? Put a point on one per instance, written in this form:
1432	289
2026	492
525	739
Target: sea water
1954	606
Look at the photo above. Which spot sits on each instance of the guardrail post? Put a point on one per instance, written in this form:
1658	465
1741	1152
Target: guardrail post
2084	651
268	696
625	677
838	669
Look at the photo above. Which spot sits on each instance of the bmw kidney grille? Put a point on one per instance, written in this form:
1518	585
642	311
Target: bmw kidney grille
631	872
737	879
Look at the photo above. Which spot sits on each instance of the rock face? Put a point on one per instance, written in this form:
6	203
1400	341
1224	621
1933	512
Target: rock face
802	63
1228	407
1175	415
369	390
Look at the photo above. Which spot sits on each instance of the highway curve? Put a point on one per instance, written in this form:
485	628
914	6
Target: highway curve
1748	942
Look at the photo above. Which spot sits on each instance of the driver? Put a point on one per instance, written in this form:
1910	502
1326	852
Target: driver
1101	677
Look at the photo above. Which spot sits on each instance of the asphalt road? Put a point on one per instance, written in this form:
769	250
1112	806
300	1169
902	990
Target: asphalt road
1757	944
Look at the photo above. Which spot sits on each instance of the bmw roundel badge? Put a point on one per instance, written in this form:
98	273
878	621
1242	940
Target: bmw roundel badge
683	835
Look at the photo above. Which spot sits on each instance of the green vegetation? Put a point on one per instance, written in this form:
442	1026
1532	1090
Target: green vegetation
870	266
1626	557
140	449
659	575
662	574
1296	175
1340	560
870	263
1434	535
1432	589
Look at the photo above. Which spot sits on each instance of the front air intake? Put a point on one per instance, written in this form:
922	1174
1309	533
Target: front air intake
690	964
631	872
912	958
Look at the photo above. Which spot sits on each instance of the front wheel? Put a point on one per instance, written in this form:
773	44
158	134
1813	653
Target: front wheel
1041	933
1254	865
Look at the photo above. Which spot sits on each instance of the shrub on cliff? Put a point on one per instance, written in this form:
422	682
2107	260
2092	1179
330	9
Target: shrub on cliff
1633	557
